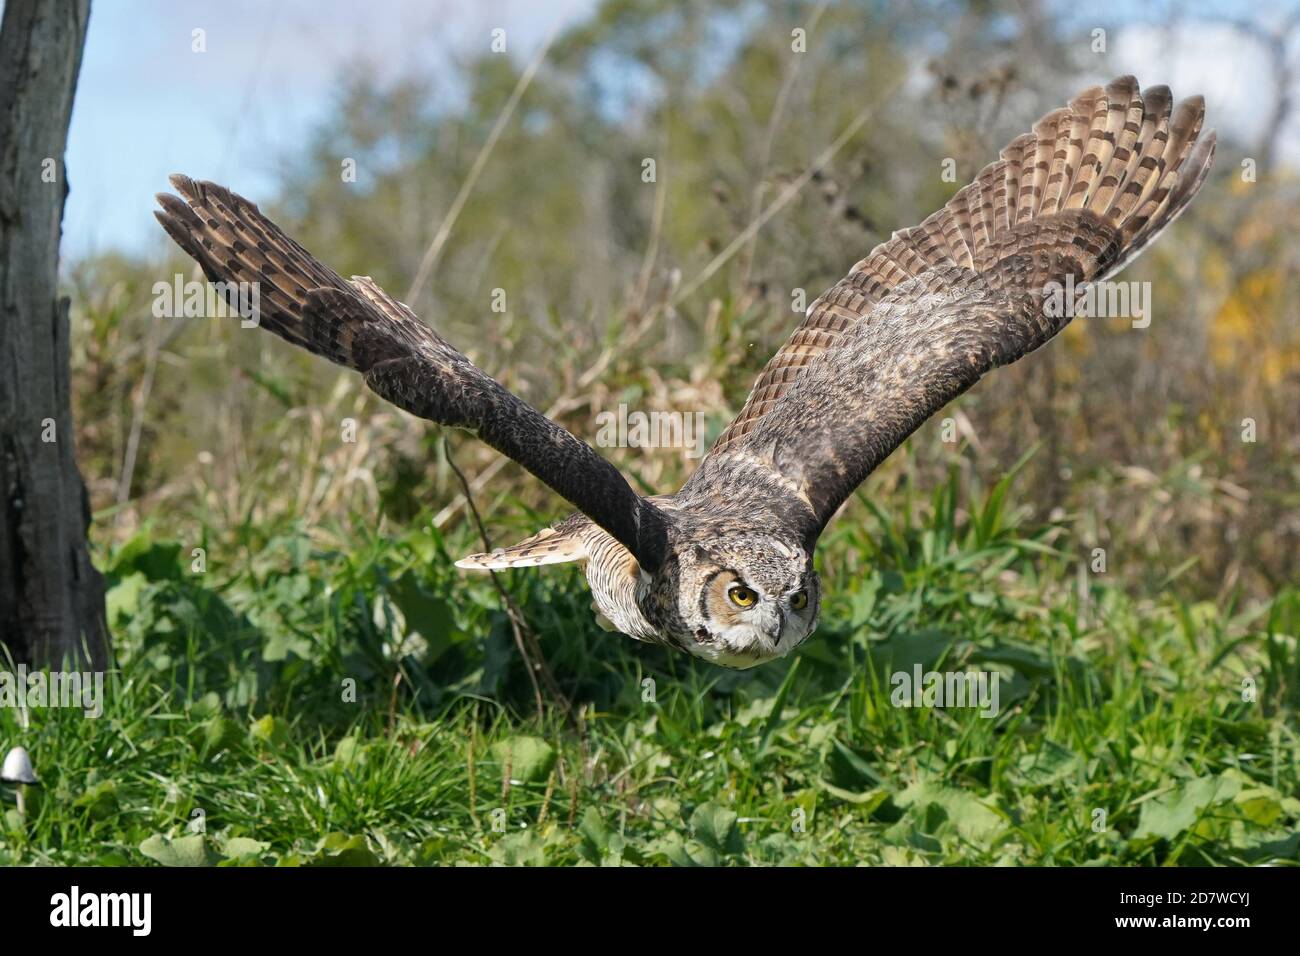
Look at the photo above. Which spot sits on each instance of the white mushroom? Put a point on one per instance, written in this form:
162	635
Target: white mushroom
18	767
18	770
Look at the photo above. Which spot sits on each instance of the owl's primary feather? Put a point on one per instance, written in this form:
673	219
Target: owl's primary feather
1074	159
927	313
360	326
723	568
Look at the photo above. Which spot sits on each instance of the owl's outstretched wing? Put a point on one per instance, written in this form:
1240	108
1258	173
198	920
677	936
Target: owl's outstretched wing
358	325
973	287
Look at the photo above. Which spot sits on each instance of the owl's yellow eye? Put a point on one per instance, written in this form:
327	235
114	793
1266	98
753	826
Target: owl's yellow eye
799	600
741	596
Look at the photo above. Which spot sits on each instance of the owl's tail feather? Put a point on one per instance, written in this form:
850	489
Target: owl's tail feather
1132	160
548	546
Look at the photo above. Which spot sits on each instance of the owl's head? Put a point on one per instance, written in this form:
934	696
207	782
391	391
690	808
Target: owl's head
740	600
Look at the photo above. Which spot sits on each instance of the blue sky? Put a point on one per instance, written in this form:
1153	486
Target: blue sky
148	105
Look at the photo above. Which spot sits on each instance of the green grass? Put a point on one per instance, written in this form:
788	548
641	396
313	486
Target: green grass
1122	737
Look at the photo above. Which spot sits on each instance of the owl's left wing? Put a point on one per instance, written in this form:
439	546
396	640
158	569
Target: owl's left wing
929	312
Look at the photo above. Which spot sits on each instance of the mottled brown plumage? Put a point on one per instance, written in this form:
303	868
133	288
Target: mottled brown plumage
360	326
723	568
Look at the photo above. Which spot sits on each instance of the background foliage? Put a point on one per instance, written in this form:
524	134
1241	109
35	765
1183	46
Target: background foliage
329	561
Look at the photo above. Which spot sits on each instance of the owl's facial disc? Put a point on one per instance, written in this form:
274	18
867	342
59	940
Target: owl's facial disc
752	610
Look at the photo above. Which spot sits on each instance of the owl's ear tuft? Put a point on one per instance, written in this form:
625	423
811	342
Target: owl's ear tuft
548	546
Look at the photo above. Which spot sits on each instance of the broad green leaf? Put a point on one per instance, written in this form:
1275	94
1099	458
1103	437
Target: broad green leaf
156	560
530	758
426	615
973	820
122	602
715	827
244	848
339	849
523	848
181	851
1169	815
1049	765
903	653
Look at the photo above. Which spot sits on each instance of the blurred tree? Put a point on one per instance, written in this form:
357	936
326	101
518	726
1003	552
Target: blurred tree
51	596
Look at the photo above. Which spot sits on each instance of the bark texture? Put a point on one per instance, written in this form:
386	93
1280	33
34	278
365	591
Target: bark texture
51	596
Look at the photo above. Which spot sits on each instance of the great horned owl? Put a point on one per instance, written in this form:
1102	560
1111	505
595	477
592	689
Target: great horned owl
723	569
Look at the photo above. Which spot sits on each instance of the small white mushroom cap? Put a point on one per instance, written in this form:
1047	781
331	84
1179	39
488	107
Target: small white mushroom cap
18	767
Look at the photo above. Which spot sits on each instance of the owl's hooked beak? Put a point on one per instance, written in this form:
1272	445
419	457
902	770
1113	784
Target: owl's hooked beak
758	637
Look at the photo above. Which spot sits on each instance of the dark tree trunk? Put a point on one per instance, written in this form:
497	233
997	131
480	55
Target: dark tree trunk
51	597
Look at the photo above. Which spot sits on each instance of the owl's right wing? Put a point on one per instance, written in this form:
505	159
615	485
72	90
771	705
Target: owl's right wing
930	311
358	325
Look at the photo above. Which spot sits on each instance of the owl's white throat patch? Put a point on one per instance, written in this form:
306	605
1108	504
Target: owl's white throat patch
739	646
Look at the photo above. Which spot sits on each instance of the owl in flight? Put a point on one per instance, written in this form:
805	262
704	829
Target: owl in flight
723	569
